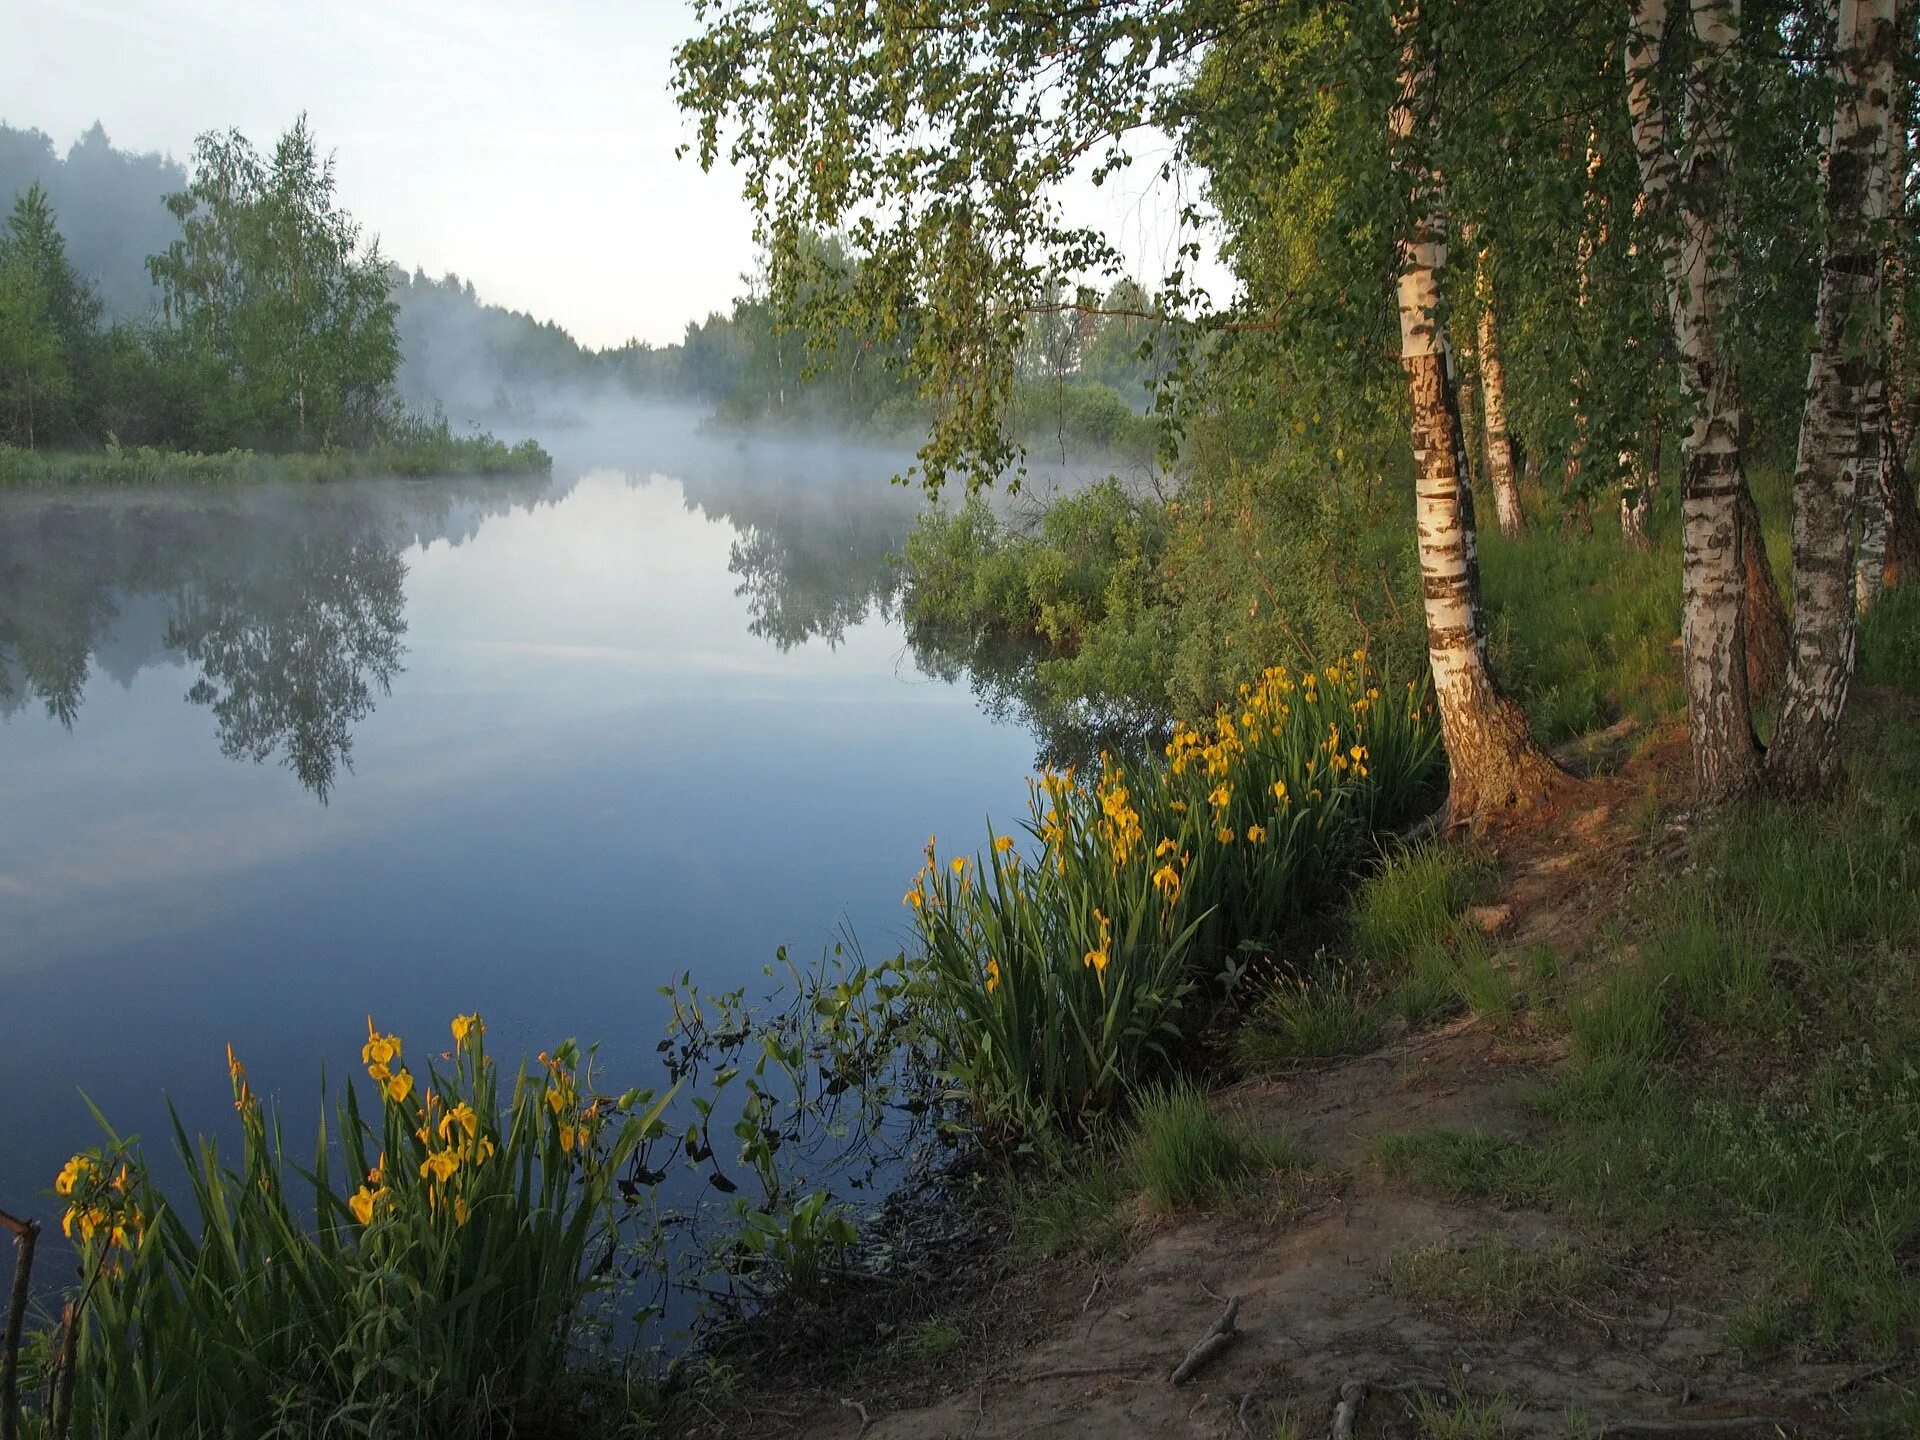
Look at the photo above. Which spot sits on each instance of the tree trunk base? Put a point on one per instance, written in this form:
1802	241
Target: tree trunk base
1496	770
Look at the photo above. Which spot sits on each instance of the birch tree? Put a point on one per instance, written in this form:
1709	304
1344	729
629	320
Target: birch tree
1840	434
1694	247
938	140
1493	761
1502	475
1889	524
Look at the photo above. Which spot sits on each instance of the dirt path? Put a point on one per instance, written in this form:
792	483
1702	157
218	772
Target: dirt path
1079	1352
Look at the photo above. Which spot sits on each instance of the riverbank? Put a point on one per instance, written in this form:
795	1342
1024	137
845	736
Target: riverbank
1638	1171
412	457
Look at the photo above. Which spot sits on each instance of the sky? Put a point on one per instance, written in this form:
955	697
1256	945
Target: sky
526	144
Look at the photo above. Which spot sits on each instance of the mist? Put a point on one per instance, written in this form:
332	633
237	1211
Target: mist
111	207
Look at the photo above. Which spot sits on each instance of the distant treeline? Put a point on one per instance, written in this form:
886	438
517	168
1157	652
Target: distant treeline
229	303
267	324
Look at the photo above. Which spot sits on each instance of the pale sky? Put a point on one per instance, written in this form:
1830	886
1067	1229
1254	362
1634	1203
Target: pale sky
526	144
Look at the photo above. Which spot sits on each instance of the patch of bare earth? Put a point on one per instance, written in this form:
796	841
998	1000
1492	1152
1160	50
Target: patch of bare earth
1072	1351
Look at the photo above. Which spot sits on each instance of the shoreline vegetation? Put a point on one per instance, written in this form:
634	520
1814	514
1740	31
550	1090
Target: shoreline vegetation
145	465
423	452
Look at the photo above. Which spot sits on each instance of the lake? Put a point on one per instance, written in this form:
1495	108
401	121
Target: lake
276	758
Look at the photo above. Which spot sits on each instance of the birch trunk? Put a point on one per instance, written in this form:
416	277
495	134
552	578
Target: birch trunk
1692	258
1636	498
1714	523
1889	528
1501	472
1837	450
1493	763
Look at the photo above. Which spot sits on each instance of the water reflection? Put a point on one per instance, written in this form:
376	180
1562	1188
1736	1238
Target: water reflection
289	603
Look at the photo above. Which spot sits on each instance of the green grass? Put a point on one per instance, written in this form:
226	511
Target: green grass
1890	638
414	455
1603	649
1462	1415
1184	1155
1068	1201
1077	1199
1323	1015
932	1339
1412	957
1412	905
1493	1280
1743	1079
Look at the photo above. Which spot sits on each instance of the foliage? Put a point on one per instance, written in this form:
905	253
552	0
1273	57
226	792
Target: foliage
46	316
434	1288
270	279
1060	977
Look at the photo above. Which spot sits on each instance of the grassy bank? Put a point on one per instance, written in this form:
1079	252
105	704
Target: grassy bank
421	452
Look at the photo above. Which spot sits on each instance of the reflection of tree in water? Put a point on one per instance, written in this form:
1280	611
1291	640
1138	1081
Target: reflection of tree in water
51	609
289	658
1005	675
815	556
289	602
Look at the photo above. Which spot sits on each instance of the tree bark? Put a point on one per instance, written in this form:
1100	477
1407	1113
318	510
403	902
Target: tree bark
1763	617
1716	526
1889	527
1494	763
1502	475
1839	430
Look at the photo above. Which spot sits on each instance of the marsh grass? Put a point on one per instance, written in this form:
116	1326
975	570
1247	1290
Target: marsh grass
429	1275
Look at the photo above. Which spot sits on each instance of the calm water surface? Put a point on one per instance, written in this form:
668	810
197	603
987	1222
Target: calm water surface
275	758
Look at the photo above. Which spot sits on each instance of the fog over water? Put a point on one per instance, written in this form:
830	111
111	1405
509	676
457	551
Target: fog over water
279	757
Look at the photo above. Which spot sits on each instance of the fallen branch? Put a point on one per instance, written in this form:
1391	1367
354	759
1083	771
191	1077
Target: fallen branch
1219	1336
866	1421
1730	1425
1353	1394
25	1234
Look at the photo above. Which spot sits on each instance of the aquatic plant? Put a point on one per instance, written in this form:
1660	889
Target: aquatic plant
1059	976
425	1276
